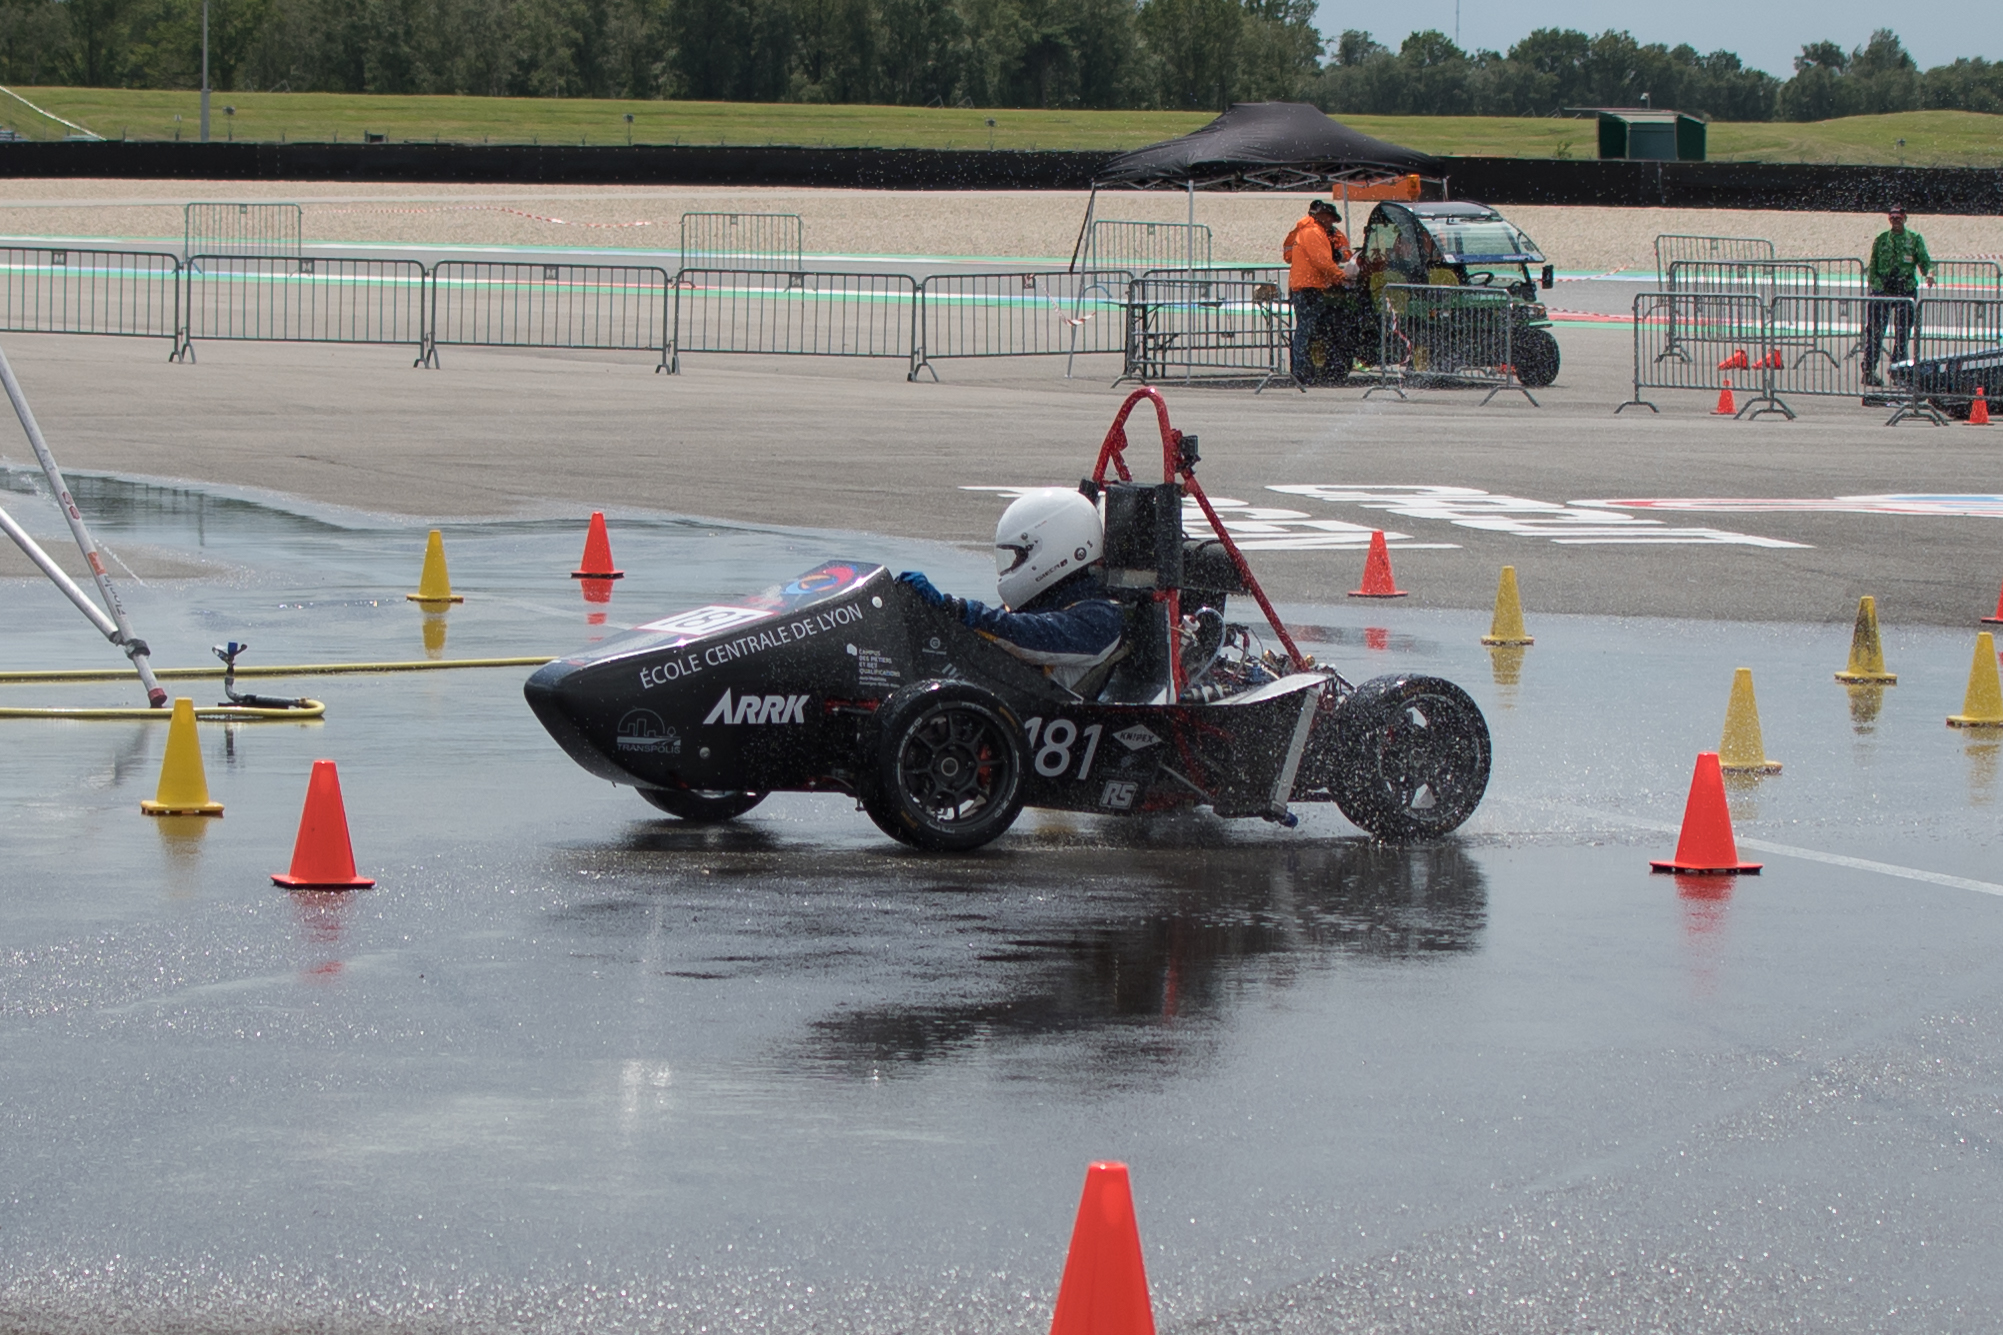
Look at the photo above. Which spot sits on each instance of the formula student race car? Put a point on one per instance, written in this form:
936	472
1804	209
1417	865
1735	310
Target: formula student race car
846	680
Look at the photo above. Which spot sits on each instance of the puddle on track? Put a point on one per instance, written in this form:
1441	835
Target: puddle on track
574	1066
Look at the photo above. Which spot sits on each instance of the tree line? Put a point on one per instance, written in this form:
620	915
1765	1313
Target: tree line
1196	54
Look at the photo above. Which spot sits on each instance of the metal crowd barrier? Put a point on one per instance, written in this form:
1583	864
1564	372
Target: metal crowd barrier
1982	279
1685	340
1794	345
1957	344
512	305
1141	246
1807	276
1672	247
1233	324
1766	280
317	300
1037	314
1814	345
131	293
807	313
241	229
1446	335
743	240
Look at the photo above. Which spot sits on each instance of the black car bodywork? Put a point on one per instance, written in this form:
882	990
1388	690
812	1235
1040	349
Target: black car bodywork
846	680
1948	384
1448	243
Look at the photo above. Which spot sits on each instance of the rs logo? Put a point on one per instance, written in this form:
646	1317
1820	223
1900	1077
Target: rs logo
759	709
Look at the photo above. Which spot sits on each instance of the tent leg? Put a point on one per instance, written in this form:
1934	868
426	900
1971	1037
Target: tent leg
1084	227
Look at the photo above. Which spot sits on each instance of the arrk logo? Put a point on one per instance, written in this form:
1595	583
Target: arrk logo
759	709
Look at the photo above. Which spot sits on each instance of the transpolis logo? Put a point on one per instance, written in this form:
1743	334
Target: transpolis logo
643	730
758	709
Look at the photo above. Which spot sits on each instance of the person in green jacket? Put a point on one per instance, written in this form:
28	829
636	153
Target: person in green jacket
1897	257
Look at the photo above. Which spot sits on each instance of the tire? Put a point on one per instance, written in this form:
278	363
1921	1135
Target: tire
1536	354
700	806
947	776
1410	757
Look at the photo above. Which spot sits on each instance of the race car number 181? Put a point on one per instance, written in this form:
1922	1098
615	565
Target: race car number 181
1053	757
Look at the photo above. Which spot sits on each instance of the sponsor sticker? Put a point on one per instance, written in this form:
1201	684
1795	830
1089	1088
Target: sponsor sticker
1135	738
1119	794
757	709
825	580
645	731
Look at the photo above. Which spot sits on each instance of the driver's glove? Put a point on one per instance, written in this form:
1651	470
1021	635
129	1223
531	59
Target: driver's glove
915	580
953	607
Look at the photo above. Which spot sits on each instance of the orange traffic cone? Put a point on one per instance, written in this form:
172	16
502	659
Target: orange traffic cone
597	563
1377	581
1978	411
1706	843
1727	405
1996	620
322	858
1105	1285
1772	359
1736	362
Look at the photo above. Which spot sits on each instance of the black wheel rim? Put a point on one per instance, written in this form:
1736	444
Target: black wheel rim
1428	756
953	765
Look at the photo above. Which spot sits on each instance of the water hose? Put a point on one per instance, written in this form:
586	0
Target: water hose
266	670
255	709
304	711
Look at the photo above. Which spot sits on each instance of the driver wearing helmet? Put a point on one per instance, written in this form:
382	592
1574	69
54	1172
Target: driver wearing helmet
1048	549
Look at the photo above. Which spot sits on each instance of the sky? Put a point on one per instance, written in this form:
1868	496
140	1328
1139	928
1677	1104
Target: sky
1766	36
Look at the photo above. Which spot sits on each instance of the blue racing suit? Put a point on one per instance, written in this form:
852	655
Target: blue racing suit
1069	629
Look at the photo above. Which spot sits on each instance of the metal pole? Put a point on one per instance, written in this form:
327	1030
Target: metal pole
58	576
134	647
1189	244
205	71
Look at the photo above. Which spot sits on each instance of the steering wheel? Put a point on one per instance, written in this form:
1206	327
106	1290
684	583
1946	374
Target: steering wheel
1482	278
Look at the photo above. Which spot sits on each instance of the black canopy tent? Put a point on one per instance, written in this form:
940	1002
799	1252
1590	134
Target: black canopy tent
1263	146
1258	146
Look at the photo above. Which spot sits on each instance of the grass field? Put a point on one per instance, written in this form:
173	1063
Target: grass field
1932	138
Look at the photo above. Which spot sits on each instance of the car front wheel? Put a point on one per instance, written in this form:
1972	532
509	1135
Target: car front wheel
948	767
1409	757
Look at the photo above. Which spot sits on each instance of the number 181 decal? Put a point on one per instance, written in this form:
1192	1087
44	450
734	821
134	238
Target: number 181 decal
1053	757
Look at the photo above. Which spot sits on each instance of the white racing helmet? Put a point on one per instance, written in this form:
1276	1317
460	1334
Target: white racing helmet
1045	537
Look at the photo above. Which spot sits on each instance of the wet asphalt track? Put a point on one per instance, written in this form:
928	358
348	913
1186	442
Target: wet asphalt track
575	1067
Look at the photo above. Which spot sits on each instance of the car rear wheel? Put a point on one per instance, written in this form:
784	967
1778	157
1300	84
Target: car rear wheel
701	806
948	767
1410	757
1536	354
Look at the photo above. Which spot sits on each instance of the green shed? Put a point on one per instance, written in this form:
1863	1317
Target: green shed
1649	135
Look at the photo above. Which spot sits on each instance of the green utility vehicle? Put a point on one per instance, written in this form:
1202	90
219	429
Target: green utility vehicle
1458	244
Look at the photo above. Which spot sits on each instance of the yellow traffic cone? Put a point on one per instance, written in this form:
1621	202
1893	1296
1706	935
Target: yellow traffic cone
1867	656
434	586
1983	705
184	789
1507	627
1742	750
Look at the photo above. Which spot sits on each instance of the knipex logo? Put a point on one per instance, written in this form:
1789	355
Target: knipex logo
758	709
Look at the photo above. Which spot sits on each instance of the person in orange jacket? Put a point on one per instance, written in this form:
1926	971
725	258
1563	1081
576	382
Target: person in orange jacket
1316	253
